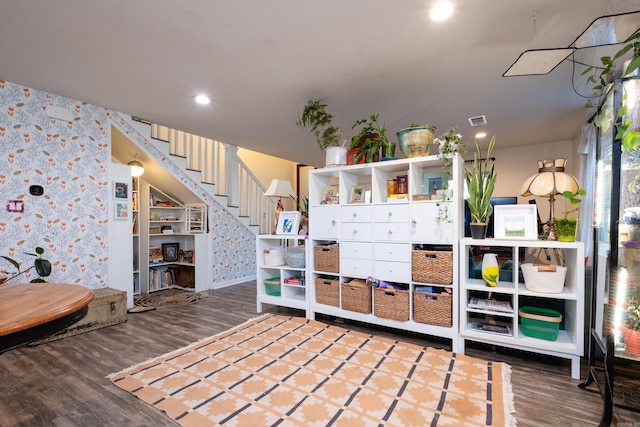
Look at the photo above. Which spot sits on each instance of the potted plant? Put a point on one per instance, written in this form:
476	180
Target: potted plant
631	327
415	141
329	137
449	144
41	265
371	138
481	180
565	226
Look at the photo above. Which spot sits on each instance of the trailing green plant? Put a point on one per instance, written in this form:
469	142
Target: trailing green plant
41	265
481	179
572	199
371	138
315	116
449	143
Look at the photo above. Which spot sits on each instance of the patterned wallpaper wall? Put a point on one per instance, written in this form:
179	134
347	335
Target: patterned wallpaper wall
71	161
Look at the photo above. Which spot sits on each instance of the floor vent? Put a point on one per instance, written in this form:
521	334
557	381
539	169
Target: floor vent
477	121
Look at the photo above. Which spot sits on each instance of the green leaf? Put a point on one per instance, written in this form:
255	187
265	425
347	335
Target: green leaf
14	263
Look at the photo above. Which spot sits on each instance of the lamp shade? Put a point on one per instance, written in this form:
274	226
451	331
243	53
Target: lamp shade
279	188
551	179
137	168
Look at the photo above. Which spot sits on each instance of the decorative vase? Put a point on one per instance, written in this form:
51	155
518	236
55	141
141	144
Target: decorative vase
490	269
478	230
336	156
389	151
566	229
415	141
631	341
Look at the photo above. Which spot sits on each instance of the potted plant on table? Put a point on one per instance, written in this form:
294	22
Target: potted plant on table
330	138
481	179
416	140
565	226
371	138
41	265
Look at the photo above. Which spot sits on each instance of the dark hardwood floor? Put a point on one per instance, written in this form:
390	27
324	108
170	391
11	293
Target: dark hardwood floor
63	382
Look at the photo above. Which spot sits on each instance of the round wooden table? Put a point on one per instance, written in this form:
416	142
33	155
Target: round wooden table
31	311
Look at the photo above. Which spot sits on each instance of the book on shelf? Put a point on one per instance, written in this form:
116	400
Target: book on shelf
491	305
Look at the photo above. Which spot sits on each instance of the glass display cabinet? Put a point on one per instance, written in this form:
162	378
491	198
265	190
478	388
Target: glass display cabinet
614	353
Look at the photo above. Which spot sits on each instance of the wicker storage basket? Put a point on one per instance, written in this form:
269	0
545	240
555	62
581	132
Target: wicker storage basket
356	297
328	291
432	309
432	266
327	258
391	303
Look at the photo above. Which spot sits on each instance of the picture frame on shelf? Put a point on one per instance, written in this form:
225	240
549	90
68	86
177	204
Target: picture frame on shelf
170	252
120	190
187	257
121	210
515	222
330	195
432	182
357	194
288	223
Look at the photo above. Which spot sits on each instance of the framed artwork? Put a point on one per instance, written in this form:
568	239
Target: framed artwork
188	257
515	222
121	210
432	182
120	190
170	252
288	222
330	195
357	194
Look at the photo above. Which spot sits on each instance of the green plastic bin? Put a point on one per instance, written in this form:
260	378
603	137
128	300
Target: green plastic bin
272	286
542	323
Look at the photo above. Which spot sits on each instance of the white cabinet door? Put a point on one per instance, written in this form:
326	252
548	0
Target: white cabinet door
391	213
356	214
355	267
325	223
425	228
393	271
392	251
356	231
391	232
358	250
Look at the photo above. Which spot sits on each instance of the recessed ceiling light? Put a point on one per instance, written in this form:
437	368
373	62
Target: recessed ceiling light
480	135
202	99
441	10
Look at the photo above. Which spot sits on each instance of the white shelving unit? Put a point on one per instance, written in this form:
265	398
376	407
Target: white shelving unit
377	237
570	302
135	230
287	287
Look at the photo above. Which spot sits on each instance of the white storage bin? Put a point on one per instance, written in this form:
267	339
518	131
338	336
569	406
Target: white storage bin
274	256
542	278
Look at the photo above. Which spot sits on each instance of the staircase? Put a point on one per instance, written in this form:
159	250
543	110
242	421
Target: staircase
220	166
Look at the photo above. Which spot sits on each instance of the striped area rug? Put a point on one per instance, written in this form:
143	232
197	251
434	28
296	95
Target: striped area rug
288	371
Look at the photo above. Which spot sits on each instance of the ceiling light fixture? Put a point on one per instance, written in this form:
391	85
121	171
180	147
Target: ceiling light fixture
137	168
480	135
441	10
202	99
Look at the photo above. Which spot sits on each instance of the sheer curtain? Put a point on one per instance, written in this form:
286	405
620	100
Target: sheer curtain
587	151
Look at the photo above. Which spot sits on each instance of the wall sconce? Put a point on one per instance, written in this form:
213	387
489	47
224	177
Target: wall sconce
137	168
550	180
278	188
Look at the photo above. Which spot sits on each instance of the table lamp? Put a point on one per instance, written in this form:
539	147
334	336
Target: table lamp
278	188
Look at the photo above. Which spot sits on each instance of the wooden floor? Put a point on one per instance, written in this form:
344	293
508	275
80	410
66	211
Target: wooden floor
63	382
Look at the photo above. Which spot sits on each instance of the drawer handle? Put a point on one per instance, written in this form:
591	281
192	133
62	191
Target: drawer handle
355	214
390	213
333	222
355	231
390	231
414	222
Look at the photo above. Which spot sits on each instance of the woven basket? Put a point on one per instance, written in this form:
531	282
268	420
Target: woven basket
391	303
356	297
432	309
328	292
327	258
432	266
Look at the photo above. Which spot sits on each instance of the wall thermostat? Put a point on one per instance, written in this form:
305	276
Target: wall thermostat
36	190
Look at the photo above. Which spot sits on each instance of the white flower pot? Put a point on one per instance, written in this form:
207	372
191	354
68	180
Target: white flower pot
336	156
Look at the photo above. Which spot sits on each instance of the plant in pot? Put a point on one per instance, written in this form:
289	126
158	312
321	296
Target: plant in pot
371	138
631	327
481	179
416	140
565	226
330	138
449	144
41	265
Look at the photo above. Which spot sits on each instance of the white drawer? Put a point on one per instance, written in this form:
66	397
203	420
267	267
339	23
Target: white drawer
392	252
391	213
356	213
325	223
356	231
355	267
392	271
392	232
358	250
426	228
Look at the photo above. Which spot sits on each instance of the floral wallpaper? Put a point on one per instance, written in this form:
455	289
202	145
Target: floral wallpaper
70	160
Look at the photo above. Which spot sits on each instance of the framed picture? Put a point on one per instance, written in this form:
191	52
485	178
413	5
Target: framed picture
288	222
120	190
432	182
515	222
121	210
357	194
170	252
330	195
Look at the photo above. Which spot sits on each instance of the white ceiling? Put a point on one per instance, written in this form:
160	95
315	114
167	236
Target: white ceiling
261	61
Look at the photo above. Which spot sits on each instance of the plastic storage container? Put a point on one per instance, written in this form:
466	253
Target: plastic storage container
543	278
542	323
274	256
272	286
